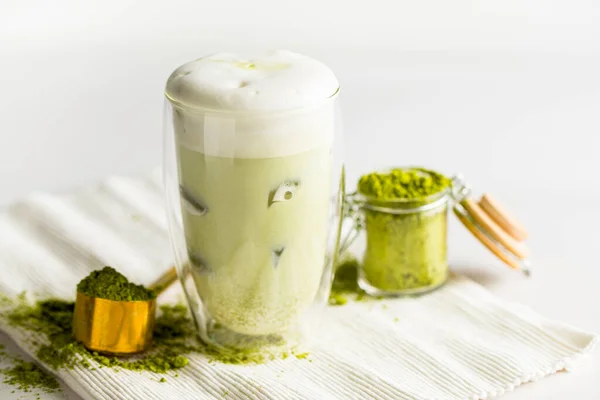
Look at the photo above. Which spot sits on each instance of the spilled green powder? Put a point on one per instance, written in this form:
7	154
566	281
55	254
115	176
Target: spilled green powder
174	338
28	377
53	319
406	250
337	299
109	284
345	283
301	356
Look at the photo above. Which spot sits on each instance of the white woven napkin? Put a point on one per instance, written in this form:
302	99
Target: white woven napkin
457	343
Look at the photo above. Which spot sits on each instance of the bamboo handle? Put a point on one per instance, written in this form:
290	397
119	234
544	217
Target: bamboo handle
511	262
164	281
494	230
508	223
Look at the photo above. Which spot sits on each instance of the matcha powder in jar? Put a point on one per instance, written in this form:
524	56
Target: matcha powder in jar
403	212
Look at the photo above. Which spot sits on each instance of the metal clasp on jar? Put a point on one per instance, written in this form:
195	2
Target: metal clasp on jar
351	210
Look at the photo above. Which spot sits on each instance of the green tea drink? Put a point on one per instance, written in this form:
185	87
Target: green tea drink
254	140
258	262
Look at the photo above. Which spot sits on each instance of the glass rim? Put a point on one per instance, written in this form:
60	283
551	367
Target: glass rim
266	113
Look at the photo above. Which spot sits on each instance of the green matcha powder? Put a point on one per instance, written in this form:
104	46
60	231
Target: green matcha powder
109	284
27	376
52	319
405	251
345	283
174	338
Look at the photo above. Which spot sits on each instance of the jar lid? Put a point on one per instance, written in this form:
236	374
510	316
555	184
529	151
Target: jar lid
489	222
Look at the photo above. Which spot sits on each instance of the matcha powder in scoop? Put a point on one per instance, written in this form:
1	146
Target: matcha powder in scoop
109	284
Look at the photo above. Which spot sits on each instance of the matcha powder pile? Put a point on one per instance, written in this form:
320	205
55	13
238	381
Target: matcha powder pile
406	184
27	376
109	284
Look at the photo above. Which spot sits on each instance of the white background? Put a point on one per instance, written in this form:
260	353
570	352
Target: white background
506	92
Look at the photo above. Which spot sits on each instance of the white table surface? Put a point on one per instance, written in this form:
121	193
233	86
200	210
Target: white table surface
520	119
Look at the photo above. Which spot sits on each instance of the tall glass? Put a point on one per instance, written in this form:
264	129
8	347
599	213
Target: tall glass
254	204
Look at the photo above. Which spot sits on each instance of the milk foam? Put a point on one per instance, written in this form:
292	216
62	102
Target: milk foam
275	81
272	105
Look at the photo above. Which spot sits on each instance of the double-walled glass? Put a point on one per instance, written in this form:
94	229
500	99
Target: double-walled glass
254	202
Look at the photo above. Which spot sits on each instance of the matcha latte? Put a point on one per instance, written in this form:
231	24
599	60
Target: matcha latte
253	141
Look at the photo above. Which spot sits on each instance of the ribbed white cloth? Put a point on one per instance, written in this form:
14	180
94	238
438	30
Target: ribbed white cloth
457	343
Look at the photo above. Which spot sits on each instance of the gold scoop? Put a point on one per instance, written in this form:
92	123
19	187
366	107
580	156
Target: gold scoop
118	327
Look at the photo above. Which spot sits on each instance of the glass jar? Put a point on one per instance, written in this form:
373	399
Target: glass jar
254	191
404	241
